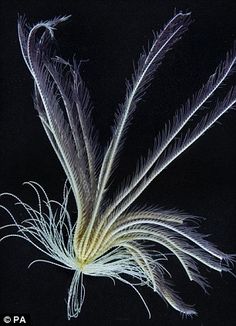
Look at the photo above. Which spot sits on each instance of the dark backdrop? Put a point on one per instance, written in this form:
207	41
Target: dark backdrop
110	35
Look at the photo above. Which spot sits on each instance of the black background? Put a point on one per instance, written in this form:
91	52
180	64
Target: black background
110	34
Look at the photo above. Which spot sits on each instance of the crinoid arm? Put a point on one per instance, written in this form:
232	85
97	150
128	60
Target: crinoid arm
108	236
64	107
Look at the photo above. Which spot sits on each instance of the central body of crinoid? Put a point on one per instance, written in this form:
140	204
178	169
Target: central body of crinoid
88	247
82	262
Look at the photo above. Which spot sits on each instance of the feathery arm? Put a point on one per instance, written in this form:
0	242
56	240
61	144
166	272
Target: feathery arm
70	138
177	148
147	65
181	118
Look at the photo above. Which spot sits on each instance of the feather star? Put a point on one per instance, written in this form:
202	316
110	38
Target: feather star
109	238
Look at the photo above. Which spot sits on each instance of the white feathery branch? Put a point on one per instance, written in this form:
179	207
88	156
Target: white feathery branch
178	148
181	118
141	78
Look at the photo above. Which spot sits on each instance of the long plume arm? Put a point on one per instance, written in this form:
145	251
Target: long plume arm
181	118
64	107
172	232
179	146
154	274
77	105
170	221
184	142
141	78
123	202
131	258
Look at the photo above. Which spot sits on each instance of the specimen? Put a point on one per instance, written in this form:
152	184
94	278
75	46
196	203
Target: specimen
111	235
